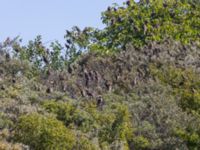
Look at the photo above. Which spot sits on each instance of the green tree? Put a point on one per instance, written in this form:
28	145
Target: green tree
139	23
43	133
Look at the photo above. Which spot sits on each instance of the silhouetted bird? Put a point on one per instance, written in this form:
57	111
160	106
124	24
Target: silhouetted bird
165	5
3	87
69	41
69	69
13	81
128	3
119	19
100	102
49	90
131	20
67	46
45	60
68	32
7	56
112	21
109	9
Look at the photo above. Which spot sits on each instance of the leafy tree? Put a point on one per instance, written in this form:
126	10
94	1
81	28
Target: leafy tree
138	23
43	133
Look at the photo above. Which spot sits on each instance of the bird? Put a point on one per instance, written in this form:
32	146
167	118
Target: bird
49	90
119	19
45	60
69	41
100	102
128	3
67	46
7	57
109	9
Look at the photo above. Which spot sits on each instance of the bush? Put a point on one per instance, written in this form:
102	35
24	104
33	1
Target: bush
43	133
70	114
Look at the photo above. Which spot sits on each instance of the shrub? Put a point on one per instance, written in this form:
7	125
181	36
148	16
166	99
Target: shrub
185	82
70	114
43	133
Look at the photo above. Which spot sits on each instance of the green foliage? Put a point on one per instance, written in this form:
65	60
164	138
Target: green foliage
191	136
70	114
43	133
5	122
140	142
186	84
84	144
150	92
120	127
139	23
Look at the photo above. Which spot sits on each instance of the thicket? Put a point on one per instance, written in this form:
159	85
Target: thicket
133	85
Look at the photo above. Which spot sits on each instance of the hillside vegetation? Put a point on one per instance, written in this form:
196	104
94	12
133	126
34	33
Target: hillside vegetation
134	85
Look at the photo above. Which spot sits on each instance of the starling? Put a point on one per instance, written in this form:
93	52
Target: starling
165	5
16	50
128	3
100	102
119	19
69	41
69	69
7	56
13	81
3	87
136	29
109	9
131	20
77	29
67	46
48	51
49	90
68	32
45	60
112	21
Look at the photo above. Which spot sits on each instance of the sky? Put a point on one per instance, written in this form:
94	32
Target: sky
49	18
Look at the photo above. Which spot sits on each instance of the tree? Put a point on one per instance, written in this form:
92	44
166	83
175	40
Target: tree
138	23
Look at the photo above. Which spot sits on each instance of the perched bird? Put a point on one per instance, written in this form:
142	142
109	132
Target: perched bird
69	69
165	5
128	3
49	90
100	102
13	81
68	32
131	20
69	41
112	21
45	60
109	9
67	46
119	19
7	57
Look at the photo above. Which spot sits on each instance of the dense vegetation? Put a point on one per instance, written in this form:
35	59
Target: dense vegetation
133	85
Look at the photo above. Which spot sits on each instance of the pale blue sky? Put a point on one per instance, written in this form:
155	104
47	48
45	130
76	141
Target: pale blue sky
49	18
